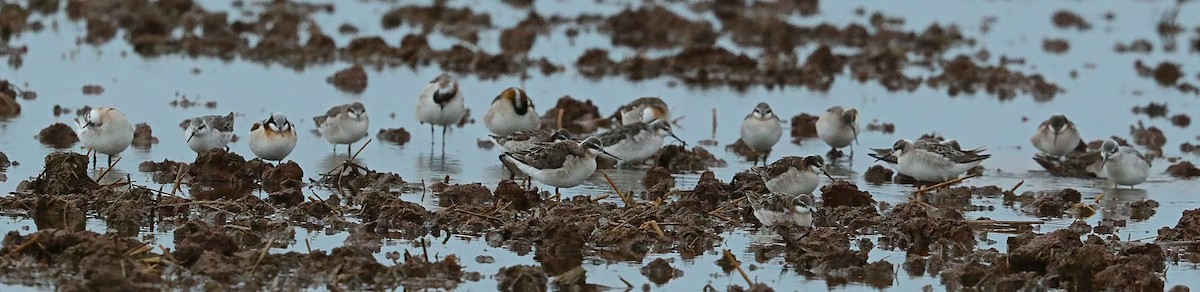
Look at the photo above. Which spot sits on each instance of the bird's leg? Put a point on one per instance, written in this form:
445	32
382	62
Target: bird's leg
557	195
431	136
110	161
348	151
444	138
93	153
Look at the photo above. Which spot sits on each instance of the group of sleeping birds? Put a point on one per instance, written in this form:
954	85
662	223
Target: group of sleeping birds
555	158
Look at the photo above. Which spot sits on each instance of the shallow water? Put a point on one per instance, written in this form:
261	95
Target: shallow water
1098	101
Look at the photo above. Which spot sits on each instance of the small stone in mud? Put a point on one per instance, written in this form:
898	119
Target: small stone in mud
660	271
352	80
522	278
1184	170
93	89
804	126
844	193
58	135
1181	120
878	174
347	28
399	135
1057	46
483	259
143	136
465	194
1067	19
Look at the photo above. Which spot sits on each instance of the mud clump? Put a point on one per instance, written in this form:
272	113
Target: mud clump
288	197
1152	110
1167	73
741	149
392	216
93	89
1056	46
1187	229
399	136
143	136
195	239
65	173
1181	120
1046	204
804	126
656	176
886	128
465	194
287	175
8	103
522	199
911	227
219	166
678	159
352	80
659	271
878	174
844	193
1184	170
1152	138
1064	19
962	75
657	28
58	135
579	117
522	278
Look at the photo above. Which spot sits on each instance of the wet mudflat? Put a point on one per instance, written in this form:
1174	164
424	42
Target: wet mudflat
406	213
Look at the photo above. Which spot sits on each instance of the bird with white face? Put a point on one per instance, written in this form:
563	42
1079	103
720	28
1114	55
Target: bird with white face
441	104
1056	136
776	209
930	161
760	131
510	112
644	109
209	132
105	130
794	175
563	164
528	139
637	141
344	124
1124	165
273	139
838	127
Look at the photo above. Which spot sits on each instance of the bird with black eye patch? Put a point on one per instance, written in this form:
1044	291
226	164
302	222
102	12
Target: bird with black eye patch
344	124
644	109
441	104
838	127
929	161
776	209
528	139
562	164
510	112
760	131
794	175
1124	165
273	139
209	132
106	131
1056	136
637	141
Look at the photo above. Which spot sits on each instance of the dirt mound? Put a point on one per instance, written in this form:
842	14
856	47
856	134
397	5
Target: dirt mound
844	193
579	117
399	136
143	136
352	80
659	271
219	166
287	175
465	194
58	135
678	159
65	173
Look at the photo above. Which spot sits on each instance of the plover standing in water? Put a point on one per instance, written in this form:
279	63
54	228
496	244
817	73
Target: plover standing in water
273	139
563	164
105	130
930	161
775	209
838	127
645	110
1056	136
209	132
524	140
441	104
761	130
1124	165
637	141
344	124
510	112
794	175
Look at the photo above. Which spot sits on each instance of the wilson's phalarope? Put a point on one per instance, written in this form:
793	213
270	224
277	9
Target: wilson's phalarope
344	124
105	130
273	139
1124	165
524	140
209	132
637	141
1056	136
775	209
645	110
562	164
510	112
794	175
930	161
761	130
441	104
838	127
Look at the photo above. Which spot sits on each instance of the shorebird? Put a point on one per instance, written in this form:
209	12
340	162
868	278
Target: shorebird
524	140
562	164
645	110
510	112
209	132
794	175
1056	136
1124	165
105	130
273	139
930	161
838	127
885	154
441	104
775	209
344	124
761	130
637	141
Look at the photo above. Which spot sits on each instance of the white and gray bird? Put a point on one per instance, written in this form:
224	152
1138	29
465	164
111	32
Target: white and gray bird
524	140
561	164
637	141
775	209
644	109
794	175
838	127
106	131
929	161
1124	165
1056	136
273	139
209	132
441	104
510	112
761	130
344	124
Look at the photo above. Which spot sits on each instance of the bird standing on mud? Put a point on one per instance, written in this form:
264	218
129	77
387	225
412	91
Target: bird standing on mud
105	130
344	124
563	164
441	104
930	161
510	112
838	127
209	132
637	141
761	130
